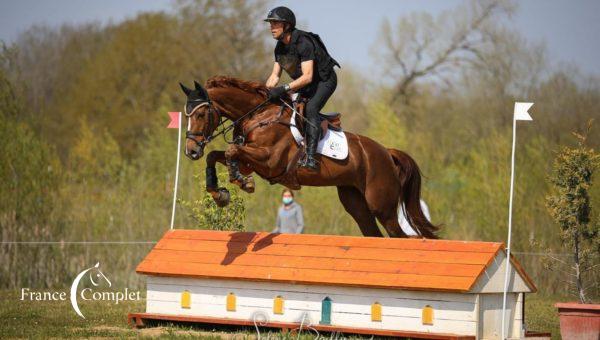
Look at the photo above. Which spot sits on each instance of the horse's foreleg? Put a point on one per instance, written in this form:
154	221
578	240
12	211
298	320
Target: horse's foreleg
236	153
236	177
247	155
219	195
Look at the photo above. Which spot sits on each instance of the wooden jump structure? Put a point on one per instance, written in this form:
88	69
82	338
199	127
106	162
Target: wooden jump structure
417	288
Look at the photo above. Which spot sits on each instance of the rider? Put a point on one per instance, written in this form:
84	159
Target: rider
305	59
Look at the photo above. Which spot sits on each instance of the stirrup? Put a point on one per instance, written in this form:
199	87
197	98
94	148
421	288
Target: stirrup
309	162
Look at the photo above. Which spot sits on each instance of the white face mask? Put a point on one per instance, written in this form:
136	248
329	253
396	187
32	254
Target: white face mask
288	200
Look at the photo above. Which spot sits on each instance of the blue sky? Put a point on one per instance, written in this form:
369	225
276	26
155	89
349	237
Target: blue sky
570	29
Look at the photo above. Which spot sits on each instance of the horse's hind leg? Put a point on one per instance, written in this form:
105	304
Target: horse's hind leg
382	201
354	203
389	220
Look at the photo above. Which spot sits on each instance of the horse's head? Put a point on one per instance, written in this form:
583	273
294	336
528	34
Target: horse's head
202	120
96	276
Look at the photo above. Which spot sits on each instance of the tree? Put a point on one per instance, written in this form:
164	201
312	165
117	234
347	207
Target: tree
29	180
421	46
116	75
571	208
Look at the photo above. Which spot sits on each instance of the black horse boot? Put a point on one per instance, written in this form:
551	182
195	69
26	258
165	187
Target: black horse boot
312	138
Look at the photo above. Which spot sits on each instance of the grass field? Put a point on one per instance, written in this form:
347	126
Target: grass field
56	319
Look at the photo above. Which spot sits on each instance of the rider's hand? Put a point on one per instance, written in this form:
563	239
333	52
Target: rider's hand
277	92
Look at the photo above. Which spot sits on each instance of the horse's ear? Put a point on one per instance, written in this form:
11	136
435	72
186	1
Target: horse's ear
201	90
185	89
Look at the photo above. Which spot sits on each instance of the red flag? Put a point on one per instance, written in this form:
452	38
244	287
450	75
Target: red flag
174	124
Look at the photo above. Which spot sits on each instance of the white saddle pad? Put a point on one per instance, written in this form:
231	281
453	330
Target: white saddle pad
333	145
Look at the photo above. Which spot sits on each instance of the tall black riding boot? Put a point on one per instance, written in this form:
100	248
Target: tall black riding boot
312	139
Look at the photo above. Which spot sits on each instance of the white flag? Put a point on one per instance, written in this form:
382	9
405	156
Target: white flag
521	111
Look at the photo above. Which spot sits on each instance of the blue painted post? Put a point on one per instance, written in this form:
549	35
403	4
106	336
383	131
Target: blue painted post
326	311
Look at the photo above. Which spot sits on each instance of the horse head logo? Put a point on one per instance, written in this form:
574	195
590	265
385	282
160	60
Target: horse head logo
95	275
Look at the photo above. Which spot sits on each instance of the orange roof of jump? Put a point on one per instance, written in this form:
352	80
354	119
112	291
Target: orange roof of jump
323	259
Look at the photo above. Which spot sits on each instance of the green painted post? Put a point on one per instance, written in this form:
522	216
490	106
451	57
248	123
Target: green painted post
326	311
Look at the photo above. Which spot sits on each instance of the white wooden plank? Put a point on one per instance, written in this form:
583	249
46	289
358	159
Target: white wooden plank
493	278
309	301
406	323
517	322
219	311
491	315
337	318
319	289
478	317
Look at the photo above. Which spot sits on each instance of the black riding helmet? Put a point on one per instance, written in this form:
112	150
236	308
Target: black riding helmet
282	13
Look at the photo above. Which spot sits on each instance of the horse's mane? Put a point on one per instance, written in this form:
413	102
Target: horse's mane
244	85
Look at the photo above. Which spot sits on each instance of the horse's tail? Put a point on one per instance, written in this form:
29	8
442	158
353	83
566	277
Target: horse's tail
410	181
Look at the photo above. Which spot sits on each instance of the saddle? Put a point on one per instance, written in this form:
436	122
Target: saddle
332	142
327	120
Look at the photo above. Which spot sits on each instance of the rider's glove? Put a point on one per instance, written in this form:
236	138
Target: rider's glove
277	92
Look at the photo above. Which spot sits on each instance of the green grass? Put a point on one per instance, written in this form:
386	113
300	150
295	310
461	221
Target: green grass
541	315
56	319
43	319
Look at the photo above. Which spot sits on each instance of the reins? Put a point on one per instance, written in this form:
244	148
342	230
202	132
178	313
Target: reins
232	125
224	129
241	138
277	120
298	114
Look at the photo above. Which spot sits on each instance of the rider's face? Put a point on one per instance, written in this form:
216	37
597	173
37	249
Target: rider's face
277	28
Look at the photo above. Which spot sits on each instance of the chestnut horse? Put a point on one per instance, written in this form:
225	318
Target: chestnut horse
371	182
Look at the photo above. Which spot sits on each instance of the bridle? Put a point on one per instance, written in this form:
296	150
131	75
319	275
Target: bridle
208	132
208	129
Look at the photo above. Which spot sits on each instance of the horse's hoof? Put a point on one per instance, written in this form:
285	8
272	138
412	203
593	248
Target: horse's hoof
236	181
222	198
248	185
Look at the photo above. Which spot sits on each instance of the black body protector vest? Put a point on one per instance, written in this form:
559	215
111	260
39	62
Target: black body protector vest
289	59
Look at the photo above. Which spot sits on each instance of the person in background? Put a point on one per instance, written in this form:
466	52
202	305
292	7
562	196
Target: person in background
406	228
289	217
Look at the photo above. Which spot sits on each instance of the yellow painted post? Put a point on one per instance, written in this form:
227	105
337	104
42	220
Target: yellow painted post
186	299
376	312
427	315
231	302
278	305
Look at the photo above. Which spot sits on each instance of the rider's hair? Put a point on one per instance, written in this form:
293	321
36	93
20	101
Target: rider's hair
287	190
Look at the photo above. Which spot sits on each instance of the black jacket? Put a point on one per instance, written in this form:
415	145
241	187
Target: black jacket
304	46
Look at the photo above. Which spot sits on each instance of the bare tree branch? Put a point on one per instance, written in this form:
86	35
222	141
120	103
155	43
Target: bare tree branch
423	47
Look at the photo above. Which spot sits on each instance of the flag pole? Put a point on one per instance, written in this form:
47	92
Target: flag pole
520	113
512	175
176	170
